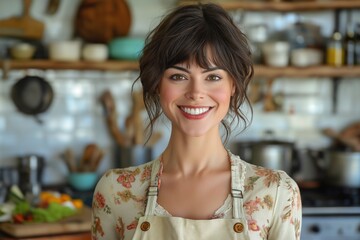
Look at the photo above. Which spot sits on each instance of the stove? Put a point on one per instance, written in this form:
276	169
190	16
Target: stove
331	213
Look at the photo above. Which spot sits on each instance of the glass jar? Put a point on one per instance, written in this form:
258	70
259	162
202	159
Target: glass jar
335	53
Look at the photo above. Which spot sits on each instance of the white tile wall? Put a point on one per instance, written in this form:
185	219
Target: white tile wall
76	118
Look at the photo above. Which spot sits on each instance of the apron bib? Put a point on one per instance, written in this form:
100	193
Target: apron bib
152	227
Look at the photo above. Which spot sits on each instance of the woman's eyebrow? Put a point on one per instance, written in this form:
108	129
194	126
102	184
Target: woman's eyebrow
180	68
188	71
212	69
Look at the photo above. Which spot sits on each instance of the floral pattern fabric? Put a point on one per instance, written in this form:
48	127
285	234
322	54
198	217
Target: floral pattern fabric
272	203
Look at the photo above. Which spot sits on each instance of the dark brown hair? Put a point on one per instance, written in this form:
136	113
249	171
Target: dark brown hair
186	34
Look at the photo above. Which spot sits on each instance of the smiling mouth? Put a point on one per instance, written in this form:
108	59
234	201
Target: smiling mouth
195	110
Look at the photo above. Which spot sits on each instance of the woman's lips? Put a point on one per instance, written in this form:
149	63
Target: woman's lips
195	112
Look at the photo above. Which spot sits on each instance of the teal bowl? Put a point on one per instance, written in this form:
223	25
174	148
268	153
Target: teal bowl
83	181
126	48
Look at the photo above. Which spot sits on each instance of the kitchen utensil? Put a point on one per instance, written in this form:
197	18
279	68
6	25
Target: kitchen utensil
68	157
52	7
30	169
32	95
115	20
87	156
339	168
269	103
132	155
134	122
91	158
108	103
271	154
24	26
67	51
274	155
349	141
308	172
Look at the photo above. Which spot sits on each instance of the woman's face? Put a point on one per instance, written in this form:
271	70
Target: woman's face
195	99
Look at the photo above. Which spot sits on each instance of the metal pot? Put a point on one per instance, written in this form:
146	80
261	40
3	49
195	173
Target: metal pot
269	154
340	168
274	155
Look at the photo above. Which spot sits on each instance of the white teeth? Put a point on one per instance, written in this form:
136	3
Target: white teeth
195	111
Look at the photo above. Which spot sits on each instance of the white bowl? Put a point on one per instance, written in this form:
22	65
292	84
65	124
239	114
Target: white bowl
276	54
65	50
95	52
304	57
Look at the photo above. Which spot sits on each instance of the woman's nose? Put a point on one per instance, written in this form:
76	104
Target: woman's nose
195	91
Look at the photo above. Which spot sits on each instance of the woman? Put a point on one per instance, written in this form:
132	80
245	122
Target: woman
195	68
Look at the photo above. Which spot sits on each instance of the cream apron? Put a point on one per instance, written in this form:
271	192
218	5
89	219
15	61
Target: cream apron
152	227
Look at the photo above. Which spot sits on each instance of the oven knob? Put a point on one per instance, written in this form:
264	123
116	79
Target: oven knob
314	228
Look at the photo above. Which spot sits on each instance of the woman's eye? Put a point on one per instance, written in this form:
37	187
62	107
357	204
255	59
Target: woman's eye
177	77
214	78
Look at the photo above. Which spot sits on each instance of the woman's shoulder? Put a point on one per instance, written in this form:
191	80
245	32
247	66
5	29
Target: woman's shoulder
256	176
134	178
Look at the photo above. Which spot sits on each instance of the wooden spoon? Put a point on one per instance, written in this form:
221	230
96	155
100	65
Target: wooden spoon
353	143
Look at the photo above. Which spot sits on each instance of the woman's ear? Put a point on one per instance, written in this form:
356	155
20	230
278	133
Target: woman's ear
233	89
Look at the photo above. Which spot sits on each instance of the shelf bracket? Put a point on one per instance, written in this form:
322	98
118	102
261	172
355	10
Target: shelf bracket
336	81
5	69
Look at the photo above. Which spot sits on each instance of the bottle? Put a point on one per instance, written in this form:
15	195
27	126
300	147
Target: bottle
335	54
349	43
357	44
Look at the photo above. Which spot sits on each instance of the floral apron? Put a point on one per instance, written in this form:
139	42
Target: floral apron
152	227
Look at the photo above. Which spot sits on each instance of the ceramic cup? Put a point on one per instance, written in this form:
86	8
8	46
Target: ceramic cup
95	52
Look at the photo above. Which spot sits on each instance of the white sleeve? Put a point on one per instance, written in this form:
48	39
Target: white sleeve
288	211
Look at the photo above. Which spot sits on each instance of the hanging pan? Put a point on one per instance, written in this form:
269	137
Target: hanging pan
32	95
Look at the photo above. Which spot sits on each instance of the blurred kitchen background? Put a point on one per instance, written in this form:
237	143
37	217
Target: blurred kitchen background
88	98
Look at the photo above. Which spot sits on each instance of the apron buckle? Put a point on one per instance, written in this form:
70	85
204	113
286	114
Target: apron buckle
236	193
152	191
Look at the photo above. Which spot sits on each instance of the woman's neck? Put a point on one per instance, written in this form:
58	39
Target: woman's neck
194	155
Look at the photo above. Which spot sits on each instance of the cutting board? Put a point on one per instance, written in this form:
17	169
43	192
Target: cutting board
80	222
23	26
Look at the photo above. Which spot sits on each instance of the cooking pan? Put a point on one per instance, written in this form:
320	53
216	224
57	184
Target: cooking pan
271	154
32	95
339	168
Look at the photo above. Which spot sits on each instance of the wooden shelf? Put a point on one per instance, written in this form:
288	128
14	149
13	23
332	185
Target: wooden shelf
285	6
80	65
260	70
314	71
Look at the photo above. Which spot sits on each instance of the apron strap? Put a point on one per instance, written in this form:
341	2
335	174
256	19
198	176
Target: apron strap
153	189
237	190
